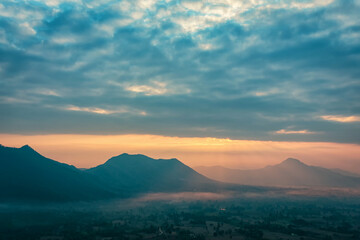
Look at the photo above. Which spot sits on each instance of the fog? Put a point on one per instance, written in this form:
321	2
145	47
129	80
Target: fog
294	214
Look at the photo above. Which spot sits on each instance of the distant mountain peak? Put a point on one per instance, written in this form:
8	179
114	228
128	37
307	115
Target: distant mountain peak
292	161
290	172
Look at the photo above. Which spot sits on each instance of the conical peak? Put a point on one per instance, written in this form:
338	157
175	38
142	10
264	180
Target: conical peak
292	161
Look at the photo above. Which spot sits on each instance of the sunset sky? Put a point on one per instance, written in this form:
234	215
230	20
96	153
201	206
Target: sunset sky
242	84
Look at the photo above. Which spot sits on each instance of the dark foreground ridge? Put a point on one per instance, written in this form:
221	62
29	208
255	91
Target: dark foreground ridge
26	175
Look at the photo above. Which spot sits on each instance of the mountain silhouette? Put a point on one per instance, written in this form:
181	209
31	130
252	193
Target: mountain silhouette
139	173
290	172
27	175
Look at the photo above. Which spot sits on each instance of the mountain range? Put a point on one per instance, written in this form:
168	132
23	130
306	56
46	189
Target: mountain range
290	172
26	175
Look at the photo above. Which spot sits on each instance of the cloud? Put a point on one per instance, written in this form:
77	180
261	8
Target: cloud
12	100
228	69
267	92
63	40
284	131
47	92
343	119
193	16
97	110
158	89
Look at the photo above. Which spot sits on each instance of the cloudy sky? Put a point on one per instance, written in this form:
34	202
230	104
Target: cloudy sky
264	70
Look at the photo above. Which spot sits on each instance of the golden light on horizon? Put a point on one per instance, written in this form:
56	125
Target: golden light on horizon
91	150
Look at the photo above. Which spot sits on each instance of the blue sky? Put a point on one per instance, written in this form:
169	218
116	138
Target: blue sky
262	70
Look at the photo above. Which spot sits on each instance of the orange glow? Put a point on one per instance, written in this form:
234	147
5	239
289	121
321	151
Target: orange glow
91	150
343	119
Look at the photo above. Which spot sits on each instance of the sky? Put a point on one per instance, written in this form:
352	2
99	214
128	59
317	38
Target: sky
278	72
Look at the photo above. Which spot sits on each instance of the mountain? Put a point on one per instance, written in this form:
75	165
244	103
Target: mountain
290	172
139	173
346	173
27	175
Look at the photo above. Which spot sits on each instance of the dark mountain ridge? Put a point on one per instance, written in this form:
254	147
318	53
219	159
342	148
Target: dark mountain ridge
25	174
141	173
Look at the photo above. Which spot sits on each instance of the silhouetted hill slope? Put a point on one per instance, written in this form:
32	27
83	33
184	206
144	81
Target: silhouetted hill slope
345	173
27	175
290	172
139	173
